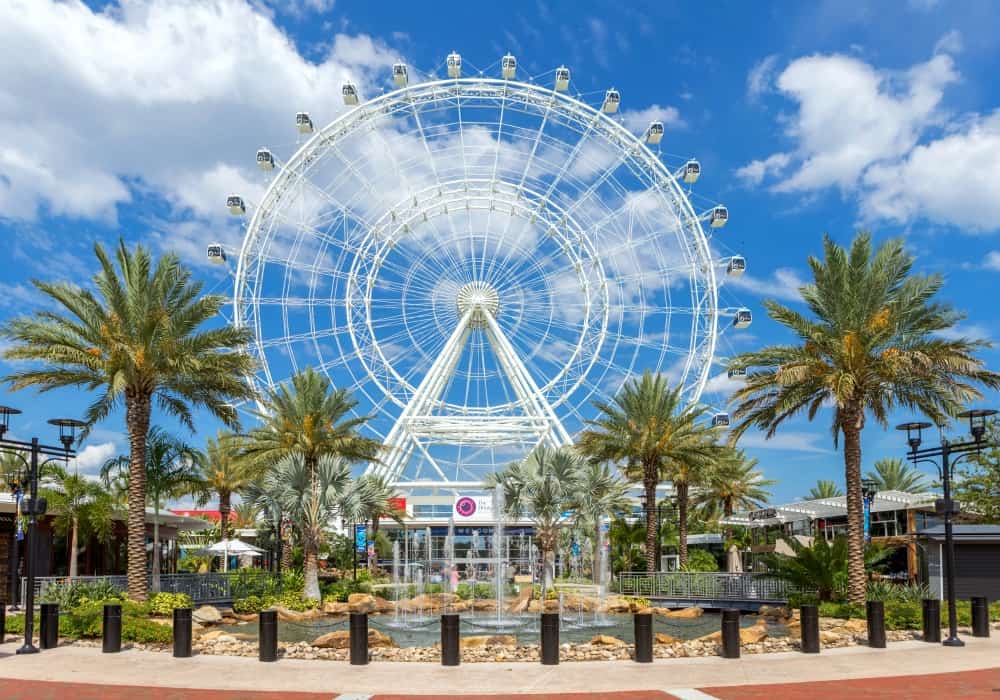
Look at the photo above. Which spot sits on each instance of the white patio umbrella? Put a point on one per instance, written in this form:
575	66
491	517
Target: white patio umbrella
224	548
733	561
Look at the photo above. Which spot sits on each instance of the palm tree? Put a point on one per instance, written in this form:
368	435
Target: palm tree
733	483
626	540
224	474
138	338
871	345
312	497
307	419
542	487
382	497
245	515
257	495
601	492
80	508
172	470
824	489
894	474
648	427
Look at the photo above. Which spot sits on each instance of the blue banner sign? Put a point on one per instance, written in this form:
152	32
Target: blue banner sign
361	538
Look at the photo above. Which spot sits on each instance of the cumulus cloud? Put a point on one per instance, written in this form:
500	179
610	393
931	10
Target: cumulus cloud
636	120
92	457
790	441
167	95
884	138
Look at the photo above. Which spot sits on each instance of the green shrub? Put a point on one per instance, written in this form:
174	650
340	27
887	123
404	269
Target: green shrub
250	605
340	590
71	594
255	582
701	560
886	590
165	603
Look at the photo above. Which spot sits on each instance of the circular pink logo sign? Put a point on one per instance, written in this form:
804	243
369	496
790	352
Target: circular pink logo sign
465	506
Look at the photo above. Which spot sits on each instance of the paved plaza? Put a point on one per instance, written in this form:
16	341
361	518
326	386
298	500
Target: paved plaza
904	670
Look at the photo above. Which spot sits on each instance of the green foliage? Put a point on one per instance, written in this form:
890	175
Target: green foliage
483	590
248	582
904	615
637	602
701	560
821	567
86	621
977	486
894	474
72	594
339	591
824	488
290	600
165	603
885	590
251	604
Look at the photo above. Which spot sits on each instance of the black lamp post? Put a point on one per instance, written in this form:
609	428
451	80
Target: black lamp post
869	488
30	453
945	506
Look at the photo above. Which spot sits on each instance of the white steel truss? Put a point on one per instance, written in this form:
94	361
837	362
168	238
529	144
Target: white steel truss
428	419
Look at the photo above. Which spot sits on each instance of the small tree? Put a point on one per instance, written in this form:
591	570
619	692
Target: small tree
541	487
80	508
601	493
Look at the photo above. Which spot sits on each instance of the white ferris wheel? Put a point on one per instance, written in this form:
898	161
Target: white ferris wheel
478	259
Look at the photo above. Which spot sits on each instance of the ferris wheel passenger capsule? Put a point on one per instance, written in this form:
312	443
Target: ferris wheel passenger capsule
216	254
303	123
612	99
508	66
737	266
718	217
454	65
654	133
399	74
562	79
236	205
691	171
265	160
737	373
720	420
350	93
743	318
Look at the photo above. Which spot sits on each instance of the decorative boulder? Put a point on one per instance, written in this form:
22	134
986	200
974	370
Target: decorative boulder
361	603
664	638
683	613
479	641
207	615
606	640
341	639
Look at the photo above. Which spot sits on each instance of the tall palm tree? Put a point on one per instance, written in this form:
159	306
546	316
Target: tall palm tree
138	338
627	544
224	474
257	494
314	496
824	489
172	470
733	483
381	501
541	487
601	493
307	417
893	474
648	428
872	344
80	509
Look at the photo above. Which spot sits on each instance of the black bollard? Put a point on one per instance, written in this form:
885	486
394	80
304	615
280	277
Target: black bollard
875	613
267	635
48	633
980	617
932	620
450	654
111	637
3	622
730	633
809	628
550	639
359	639
182	633
643	638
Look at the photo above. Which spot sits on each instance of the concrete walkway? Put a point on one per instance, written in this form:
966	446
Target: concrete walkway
86	665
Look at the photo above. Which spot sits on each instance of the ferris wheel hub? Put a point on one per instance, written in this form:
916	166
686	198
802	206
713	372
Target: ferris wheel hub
482	297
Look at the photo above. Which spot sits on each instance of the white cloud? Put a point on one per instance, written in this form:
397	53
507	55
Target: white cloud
783	284
992	260
92	457
636	120
760	78
870	133
165	95
791	441
970	331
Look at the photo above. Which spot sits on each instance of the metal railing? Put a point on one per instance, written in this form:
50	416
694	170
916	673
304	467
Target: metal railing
703	586
201	588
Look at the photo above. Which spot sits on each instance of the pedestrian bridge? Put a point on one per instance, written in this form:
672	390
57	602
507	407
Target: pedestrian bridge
678	589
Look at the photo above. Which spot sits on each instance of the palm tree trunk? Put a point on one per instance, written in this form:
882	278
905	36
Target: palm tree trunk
224	509
682	522
311	565
74	534
137	409
598	570
727	512
649	478
856	584
156	545
286	545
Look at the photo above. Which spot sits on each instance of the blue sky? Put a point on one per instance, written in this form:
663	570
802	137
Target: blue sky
138	118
